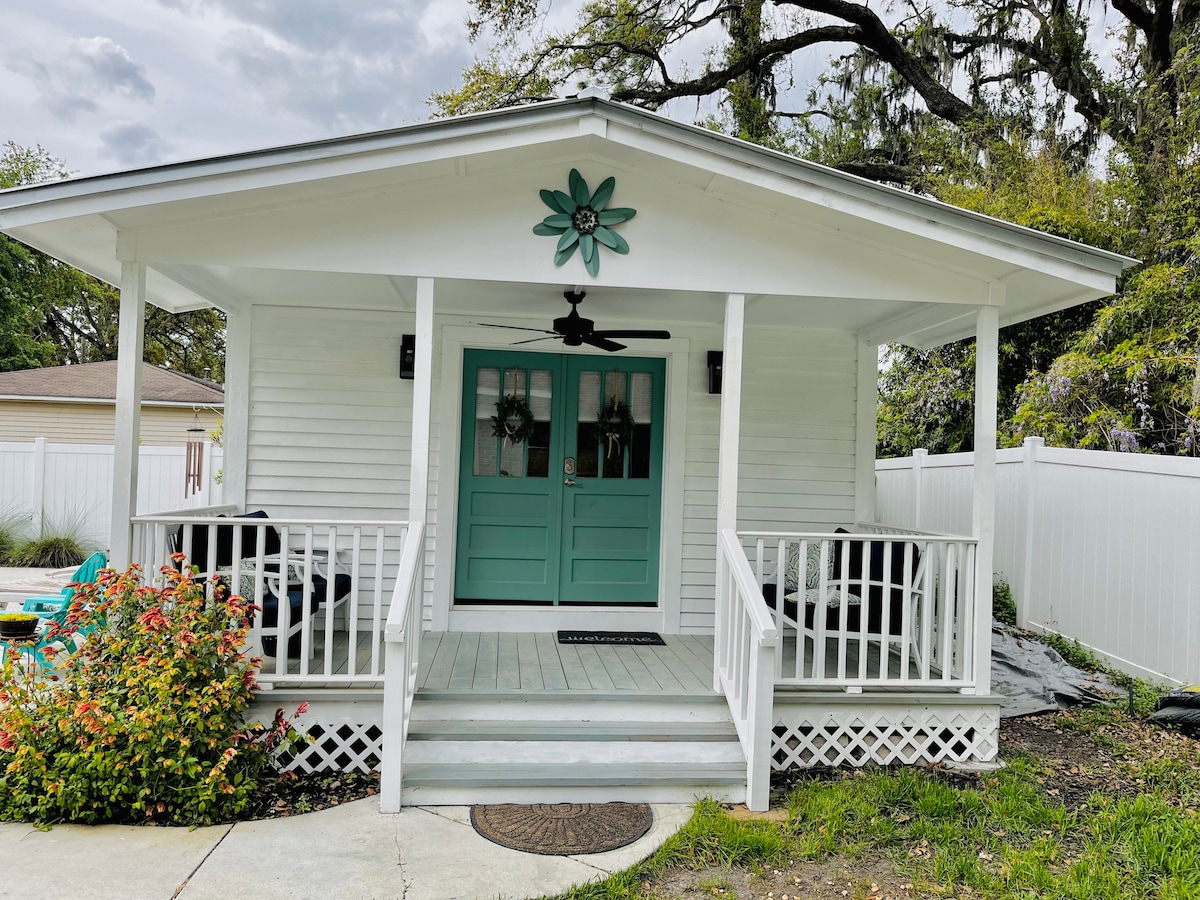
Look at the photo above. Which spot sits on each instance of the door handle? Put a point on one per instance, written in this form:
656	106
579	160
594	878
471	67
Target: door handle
570	482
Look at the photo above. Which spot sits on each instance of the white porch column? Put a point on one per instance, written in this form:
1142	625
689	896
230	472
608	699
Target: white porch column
235	420
865	427
418	479
728	441
127	430
983	506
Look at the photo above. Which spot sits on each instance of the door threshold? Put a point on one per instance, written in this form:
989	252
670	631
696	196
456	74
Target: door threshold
552	618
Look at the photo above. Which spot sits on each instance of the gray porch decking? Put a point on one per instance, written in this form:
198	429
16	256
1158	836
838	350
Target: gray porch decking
525	662
534	662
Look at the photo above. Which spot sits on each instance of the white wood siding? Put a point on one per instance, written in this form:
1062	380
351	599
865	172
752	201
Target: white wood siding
796	461
329	416
330	424
92	423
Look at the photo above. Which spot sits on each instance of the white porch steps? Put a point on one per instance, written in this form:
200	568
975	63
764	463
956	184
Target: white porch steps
552	748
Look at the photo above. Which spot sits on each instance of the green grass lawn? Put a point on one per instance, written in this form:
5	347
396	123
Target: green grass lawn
1091	804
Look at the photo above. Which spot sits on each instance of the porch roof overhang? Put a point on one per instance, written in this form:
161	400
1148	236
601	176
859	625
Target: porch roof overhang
807	244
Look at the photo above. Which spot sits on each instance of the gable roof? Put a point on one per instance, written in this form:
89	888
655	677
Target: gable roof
95	221
98	381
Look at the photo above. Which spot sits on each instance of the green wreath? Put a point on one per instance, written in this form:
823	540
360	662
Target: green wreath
616	425
513	420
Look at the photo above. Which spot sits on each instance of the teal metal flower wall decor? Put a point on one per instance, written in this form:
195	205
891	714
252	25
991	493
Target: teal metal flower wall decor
582	219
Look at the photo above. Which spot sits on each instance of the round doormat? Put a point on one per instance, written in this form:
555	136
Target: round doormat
561	829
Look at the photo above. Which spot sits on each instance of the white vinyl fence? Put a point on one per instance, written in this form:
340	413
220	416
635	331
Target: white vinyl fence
57	486
1101	547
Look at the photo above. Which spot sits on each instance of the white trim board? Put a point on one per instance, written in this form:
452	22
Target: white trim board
453	339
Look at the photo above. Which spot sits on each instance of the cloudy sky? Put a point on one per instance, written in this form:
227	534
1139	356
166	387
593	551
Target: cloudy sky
125	83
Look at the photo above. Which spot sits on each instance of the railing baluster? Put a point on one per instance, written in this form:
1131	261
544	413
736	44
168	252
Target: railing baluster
330	598
889	591
283	617
844	611
819	615
801	600
306	647
945	657
377	611
931	603
352	604
907	611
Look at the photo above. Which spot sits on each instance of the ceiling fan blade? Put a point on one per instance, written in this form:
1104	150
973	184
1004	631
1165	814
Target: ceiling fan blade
634	333
553	337
596	339
515	327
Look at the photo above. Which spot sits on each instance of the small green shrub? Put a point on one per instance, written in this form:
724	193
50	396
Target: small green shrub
1004	607
52	552
145	720
13	532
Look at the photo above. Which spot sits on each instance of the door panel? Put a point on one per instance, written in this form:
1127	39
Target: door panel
610	532
527	531
508	499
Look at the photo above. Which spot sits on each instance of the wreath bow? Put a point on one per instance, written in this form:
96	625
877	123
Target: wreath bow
616	425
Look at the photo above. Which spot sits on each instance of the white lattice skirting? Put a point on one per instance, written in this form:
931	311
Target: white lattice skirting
891	735
338	746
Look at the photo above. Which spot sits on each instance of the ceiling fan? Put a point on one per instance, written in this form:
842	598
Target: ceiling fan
574	330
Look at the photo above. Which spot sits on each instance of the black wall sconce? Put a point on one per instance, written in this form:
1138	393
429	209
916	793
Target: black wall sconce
715	363
408	357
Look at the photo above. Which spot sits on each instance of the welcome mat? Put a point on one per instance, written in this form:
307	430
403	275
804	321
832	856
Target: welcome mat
561	829
642	638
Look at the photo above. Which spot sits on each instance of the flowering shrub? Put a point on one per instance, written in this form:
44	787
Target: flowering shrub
145	720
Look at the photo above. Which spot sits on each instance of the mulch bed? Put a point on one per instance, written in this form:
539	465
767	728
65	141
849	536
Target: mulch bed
293	794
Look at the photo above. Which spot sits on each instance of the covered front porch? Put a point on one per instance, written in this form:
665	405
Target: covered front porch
375	290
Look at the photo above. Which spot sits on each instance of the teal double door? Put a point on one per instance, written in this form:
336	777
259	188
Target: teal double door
569	515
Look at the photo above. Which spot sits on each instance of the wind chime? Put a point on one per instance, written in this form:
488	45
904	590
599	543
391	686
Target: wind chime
194	462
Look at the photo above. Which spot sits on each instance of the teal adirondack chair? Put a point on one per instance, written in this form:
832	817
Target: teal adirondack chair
53	608
52	603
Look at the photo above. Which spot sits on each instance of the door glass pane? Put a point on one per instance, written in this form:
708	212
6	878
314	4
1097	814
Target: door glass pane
641	404
587	462
512	455
540	404
612	449
487	392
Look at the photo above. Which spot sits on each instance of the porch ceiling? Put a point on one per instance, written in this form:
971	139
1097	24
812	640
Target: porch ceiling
353	222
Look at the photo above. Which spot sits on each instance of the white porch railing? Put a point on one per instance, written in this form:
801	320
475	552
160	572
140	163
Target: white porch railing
853	611
745	645
319	584
403	642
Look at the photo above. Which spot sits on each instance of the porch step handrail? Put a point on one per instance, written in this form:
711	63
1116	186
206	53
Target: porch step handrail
744	648
402	644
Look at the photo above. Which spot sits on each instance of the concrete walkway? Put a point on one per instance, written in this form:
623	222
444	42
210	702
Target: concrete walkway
349	851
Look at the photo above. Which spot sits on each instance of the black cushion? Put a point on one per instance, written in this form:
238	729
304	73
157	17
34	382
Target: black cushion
197	553
895	579
295	595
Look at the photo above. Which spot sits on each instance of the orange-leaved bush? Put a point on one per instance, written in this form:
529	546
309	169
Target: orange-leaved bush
145	720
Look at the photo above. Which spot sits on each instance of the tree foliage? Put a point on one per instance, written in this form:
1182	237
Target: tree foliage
53	314
1008	107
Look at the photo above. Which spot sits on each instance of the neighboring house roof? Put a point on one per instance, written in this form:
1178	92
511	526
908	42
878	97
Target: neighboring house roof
90	382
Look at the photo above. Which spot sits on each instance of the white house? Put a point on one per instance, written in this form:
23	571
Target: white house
708	518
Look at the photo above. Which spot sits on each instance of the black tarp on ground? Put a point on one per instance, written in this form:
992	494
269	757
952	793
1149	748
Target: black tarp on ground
1032	677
